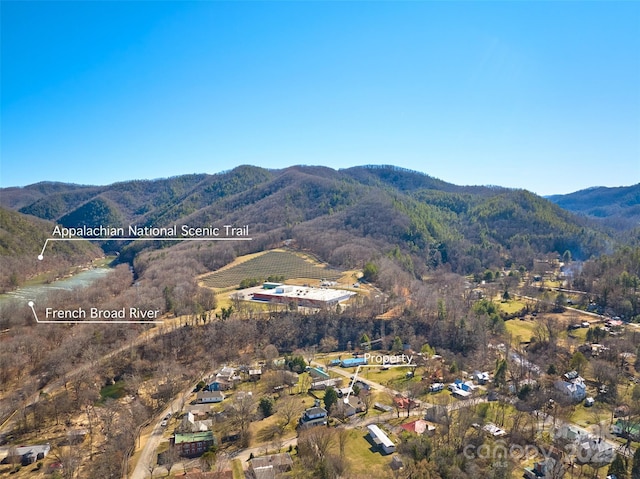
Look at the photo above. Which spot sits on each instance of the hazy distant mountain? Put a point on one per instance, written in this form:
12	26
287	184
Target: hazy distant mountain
616	207
345	216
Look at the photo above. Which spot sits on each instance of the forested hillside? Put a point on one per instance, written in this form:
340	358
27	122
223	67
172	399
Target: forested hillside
613	282
21	240
347	216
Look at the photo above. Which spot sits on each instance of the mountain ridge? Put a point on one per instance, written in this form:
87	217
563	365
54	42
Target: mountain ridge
617	207
347	216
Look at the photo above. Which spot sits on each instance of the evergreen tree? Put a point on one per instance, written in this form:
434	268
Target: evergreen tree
266	406
370	272
500	376
330	398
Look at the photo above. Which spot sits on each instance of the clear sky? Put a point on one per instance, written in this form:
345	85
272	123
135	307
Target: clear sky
542	95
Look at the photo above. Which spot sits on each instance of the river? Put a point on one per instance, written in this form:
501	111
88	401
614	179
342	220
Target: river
35	291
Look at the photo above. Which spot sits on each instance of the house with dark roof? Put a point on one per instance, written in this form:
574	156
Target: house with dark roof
270	467
314	416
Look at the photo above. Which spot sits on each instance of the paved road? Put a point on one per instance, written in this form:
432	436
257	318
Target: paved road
148	454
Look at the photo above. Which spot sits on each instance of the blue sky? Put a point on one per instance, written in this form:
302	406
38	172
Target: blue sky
543	95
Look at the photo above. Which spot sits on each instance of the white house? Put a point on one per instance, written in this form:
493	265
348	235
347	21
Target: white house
190	424
595	450
31	454
575	390
206	397
379	437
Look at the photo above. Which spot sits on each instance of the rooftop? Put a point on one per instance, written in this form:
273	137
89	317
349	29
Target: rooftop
193	437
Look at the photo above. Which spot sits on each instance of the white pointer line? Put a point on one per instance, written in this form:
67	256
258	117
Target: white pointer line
91	321
41	255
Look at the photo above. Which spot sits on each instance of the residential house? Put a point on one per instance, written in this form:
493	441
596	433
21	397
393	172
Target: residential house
208	397
318	373
199	411
595	450
322	385
589	448
404	403
227	373
571	375
461	389
419	427
571	433
356	403
218	385
191	424
315	416
225	379
349	408
193	444
353	362
481	377
255	374
380	438
270	467
574	390
597	349
28	454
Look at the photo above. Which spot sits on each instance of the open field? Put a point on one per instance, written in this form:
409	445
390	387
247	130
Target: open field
512	306
522	329
364	457
275	262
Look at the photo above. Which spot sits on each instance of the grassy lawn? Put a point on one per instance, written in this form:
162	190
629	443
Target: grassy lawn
588	416
391	375
519	328
364	458
261	431
512	306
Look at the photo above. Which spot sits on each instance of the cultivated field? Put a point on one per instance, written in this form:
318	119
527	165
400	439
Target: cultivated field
277	263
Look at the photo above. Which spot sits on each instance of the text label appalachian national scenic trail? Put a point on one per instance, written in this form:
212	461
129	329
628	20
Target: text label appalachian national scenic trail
185	231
